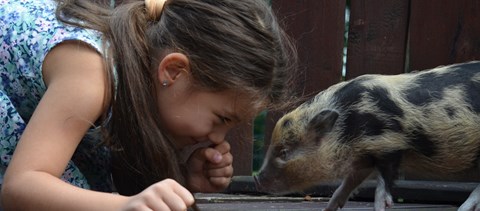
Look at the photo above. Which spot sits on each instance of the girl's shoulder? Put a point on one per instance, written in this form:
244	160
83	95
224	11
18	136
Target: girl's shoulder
33	25
29	31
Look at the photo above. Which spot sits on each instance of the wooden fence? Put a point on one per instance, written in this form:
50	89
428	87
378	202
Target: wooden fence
384	36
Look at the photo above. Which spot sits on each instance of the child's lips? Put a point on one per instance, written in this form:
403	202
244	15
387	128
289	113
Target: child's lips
200	140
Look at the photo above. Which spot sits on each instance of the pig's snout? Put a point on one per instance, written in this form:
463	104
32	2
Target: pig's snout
258	184
263	183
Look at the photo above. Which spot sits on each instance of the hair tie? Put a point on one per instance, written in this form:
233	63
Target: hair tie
154	8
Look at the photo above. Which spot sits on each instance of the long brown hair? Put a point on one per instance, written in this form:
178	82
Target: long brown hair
230	44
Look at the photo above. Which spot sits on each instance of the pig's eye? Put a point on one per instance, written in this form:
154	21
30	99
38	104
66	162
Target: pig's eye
283	154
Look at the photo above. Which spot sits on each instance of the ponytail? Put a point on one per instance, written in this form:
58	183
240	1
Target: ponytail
133	133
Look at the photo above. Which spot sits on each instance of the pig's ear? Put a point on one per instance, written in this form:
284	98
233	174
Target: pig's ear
322	123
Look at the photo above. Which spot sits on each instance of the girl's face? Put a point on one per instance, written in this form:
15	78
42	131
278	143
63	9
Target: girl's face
194	116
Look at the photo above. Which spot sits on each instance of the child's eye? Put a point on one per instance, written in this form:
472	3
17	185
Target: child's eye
224	120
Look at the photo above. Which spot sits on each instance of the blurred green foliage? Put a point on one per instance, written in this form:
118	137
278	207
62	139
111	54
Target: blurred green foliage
258	140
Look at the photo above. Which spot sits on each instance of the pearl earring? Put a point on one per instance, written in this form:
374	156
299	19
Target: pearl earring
165	83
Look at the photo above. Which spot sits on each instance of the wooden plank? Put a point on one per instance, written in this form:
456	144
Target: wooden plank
377	37
444	32
226	202
412	191
317	28
241	142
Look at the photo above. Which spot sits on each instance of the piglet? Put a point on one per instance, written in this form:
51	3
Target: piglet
427	121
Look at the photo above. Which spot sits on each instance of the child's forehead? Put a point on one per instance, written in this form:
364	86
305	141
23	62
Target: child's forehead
243	105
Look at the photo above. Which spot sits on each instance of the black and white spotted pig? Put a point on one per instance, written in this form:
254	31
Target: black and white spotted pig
428	121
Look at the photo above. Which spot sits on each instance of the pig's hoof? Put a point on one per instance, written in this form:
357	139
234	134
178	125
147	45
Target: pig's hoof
333	206
382	202
330	209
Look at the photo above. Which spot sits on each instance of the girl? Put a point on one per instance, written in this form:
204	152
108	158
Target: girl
89	93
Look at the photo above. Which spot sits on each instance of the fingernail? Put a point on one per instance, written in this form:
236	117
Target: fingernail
217	158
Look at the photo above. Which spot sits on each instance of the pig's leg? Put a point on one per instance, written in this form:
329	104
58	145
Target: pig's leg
383	197
473	201
361	170
387	165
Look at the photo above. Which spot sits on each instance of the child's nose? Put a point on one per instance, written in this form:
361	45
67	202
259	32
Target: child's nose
218	136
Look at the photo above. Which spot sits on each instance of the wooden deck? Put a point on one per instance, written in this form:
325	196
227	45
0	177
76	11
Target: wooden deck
230	202
408	195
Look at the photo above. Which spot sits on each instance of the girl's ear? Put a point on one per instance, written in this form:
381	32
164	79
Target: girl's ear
171	67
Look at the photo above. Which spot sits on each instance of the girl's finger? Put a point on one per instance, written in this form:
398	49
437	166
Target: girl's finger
213	155
227	160
223	147
220	182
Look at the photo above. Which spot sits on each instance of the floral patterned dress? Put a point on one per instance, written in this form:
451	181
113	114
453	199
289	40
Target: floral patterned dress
28	31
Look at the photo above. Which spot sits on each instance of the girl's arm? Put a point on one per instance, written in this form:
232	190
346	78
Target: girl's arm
74	75
75	78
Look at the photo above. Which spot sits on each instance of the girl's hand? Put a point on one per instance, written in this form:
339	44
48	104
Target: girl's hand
210	169
164	195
